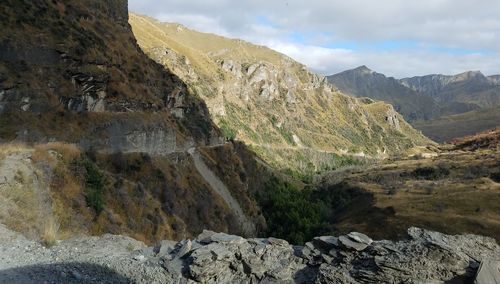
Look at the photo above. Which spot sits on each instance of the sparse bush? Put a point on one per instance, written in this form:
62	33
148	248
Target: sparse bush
430	173
94	186
227	131
50	232
392	190
495	177
19	177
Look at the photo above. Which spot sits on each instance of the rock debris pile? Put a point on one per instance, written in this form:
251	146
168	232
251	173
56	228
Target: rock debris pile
424	257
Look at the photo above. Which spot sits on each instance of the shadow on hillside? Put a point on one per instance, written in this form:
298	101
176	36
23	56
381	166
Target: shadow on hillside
74	272
355	210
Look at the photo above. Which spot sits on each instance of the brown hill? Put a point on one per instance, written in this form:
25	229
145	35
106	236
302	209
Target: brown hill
119	128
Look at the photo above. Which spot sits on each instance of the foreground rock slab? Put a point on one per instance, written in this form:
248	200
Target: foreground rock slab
424	257
489	272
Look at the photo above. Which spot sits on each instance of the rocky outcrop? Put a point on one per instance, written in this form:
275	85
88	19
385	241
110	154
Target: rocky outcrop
424	257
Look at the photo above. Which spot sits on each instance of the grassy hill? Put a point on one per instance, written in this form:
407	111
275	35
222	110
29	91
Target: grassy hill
454	192
292	118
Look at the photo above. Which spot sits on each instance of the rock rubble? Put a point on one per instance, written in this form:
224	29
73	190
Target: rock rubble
424	257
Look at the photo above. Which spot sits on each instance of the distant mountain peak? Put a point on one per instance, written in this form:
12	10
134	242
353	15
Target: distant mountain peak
469	75
363	68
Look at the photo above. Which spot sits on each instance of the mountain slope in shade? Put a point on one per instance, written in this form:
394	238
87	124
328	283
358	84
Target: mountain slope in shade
363	82
471	88
291	117
448	127
442	107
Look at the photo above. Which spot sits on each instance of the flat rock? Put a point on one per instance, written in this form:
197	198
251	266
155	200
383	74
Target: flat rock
225	238
205	237
279	242
185	248
165	247
350	244
360	238
488	273
326	242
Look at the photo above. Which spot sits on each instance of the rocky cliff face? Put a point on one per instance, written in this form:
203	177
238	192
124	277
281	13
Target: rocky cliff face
90	63
424	256
271	102
71	72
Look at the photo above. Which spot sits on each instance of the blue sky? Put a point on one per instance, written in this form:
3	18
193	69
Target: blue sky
396	37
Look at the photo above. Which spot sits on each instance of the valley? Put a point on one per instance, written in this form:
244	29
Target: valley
139	151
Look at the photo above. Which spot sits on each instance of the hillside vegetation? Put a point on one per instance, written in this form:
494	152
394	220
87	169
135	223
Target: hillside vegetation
456	191
291	118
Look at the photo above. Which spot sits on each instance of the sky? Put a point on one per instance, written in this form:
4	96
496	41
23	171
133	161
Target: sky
399	38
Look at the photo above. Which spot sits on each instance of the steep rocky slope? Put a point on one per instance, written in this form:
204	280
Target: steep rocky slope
118	127
363	82
291	117
424	256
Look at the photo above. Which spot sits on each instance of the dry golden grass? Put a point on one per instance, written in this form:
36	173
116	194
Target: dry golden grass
8	148
462	200
50	232
18	209
54	150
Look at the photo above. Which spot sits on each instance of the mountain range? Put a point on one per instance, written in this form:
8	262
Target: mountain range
427	101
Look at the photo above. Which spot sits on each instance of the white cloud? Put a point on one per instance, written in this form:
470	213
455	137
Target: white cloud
319	59
448	36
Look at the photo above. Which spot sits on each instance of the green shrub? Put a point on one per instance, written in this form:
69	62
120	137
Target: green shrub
227	131
95	183
430	173
287	135
300	215
306	176
290	213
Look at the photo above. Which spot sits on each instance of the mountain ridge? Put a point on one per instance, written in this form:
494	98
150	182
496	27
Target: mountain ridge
266	99
364	82
424	100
